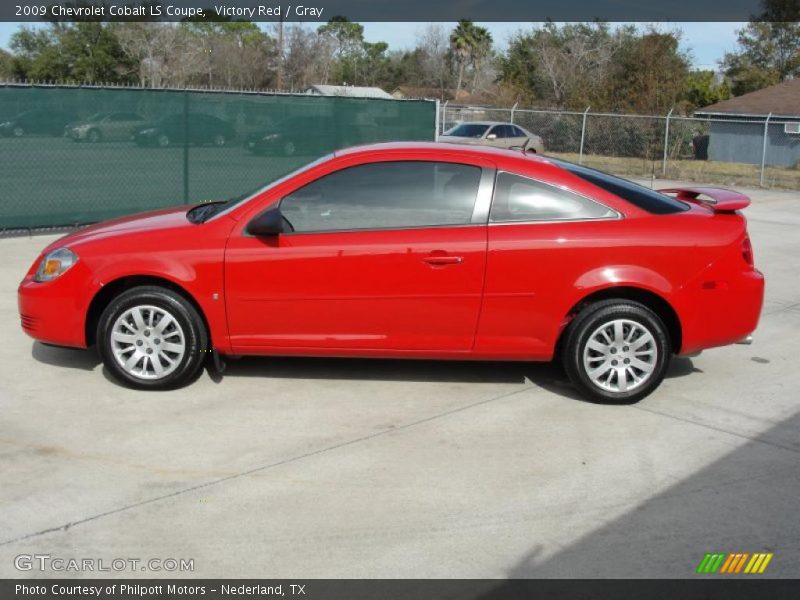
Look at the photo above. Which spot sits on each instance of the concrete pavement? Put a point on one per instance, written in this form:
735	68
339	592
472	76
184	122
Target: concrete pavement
352	468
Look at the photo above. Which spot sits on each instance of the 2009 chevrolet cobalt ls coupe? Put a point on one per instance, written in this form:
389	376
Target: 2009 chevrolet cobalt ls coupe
411	250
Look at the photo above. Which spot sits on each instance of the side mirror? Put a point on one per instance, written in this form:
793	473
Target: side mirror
269	222
491	136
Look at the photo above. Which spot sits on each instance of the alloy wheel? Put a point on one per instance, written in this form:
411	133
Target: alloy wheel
620	355
147	342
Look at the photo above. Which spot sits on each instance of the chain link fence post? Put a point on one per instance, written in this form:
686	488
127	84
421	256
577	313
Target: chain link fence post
438	121
764	149
185	146
666	143
583	135
513	108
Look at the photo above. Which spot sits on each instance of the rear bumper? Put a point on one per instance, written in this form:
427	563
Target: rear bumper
722	311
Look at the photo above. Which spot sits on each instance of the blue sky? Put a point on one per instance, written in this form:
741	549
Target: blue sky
706	41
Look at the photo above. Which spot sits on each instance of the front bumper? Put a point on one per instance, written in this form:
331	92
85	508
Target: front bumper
76	134
54	312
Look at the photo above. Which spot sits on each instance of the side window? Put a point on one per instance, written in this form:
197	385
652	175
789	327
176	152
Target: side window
386	195
518	132
511	131
519	198
499	131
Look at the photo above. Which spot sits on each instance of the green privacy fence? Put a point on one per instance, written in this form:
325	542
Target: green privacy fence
71	155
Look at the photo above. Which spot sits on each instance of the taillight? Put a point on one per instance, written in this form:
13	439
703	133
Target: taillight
747	251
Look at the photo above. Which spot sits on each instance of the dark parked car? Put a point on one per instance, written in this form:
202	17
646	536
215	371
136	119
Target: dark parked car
172	129
42	122
105	126
311	134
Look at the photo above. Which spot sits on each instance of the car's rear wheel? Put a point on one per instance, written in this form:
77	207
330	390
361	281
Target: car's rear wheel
162	140
18	131
616	351
289	149
219	140
152	338
93	136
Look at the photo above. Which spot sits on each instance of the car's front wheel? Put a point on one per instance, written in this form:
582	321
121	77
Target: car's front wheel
152	338
616	351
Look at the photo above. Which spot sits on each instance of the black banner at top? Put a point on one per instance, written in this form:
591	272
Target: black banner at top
401	10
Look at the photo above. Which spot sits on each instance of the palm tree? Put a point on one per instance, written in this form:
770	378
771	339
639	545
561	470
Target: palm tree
481	48
461	45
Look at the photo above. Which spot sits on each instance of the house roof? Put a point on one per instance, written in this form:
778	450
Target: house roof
782	100
352	91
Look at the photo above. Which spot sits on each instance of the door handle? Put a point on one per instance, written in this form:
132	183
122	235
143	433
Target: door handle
439	260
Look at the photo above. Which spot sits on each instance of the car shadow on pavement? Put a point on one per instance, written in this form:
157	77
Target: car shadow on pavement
549	376
73	358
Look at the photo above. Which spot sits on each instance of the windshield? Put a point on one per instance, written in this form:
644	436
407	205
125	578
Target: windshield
96	117
203	212
470	130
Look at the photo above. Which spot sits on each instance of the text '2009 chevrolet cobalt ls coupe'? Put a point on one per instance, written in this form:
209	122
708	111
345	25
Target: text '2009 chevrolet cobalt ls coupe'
411	250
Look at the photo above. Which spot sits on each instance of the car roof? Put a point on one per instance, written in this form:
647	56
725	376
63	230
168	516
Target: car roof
486	123
435	148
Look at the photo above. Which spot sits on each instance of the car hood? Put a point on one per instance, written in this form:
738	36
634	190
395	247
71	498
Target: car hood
157	220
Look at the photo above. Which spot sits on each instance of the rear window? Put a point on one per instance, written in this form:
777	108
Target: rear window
638	195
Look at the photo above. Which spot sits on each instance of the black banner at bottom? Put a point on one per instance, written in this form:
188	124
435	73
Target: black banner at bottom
712	588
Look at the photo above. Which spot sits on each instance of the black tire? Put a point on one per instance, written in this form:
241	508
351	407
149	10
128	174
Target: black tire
93	136
219	140
189	327
18	131
634	319
163	141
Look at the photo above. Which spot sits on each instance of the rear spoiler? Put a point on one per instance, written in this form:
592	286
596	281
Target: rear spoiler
719	199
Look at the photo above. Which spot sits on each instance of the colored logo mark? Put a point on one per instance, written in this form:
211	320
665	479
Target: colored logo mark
740	562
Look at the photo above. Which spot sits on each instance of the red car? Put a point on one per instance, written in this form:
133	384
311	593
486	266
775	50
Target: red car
411	250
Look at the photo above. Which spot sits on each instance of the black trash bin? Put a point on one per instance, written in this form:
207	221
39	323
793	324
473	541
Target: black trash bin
700	147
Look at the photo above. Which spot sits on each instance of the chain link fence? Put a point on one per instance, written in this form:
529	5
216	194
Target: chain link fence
77	154
725	150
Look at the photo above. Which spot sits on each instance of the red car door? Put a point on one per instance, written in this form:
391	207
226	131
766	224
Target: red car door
384	256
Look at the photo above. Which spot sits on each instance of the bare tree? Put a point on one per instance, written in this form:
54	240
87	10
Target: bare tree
164	54
434	43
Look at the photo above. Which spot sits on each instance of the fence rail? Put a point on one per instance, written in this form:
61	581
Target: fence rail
77	154
735	150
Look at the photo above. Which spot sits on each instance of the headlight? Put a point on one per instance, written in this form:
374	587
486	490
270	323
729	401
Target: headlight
271	136
149	131
54	264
